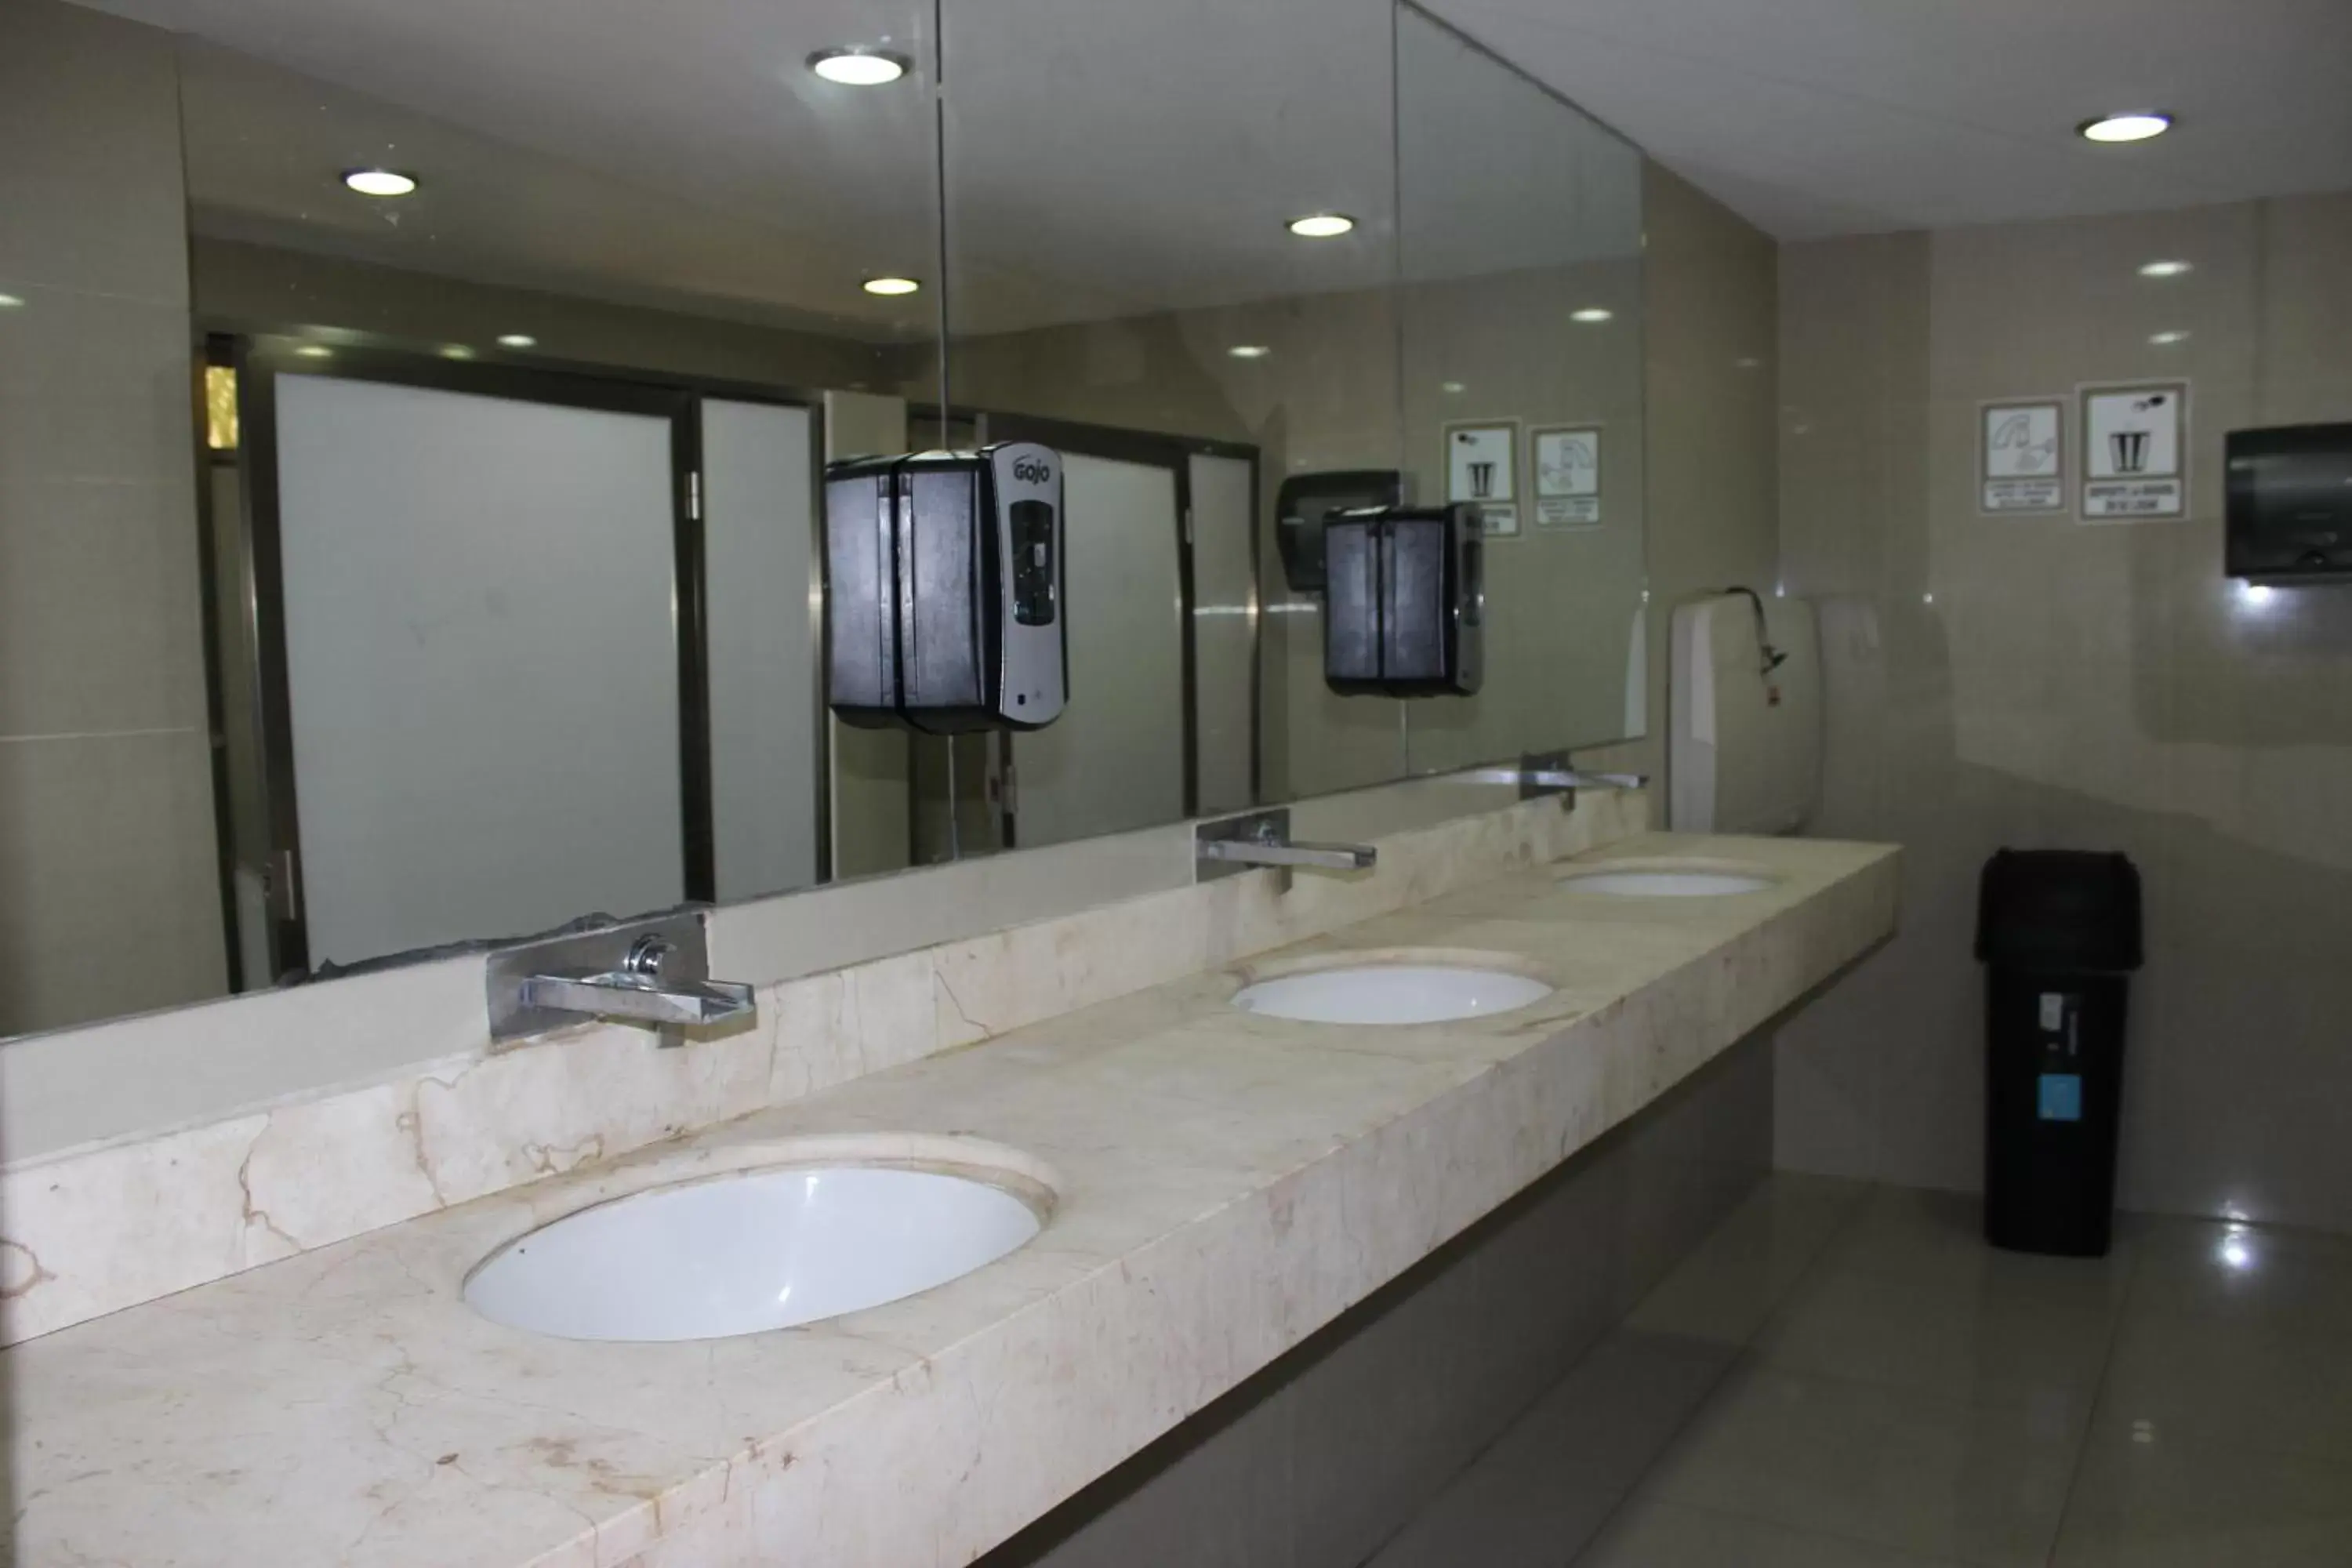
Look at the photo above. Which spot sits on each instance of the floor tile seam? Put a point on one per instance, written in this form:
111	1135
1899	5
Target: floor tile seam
1927	1559
2101	1393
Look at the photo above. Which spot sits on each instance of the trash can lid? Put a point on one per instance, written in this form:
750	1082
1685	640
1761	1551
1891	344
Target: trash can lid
2059	909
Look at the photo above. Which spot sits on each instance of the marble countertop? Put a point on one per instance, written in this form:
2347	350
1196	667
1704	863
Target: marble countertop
1227	1182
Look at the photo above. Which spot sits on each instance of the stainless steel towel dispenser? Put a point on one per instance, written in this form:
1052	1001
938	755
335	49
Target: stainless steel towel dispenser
1404	606
943	590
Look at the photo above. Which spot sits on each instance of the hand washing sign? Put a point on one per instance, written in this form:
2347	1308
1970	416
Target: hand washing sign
2022	457
1567	477
2135	450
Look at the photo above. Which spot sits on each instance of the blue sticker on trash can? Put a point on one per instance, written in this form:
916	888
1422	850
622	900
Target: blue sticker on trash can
2062	1096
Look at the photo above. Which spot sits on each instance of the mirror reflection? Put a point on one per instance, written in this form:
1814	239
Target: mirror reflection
1521	320
1178	266
418	420
530	364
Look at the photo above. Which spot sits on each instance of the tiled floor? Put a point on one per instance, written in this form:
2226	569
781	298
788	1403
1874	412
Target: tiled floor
1844	1376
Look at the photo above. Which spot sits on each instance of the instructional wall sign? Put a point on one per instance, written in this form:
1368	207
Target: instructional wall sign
1482	467
2021	457
2136	452
1567	462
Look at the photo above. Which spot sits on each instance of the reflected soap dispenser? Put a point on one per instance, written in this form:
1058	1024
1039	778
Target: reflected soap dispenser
1404	605
943	590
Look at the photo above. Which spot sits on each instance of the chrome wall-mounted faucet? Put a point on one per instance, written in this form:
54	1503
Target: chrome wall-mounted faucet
1256	838
1548	773
654	971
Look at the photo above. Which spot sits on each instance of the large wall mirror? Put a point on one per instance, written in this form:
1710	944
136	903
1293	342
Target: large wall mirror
413	420
1520	317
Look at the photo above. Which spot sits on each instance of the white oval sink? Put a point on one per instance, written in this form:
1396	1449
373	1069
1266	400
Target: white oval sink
740	1255
1654	883
1391	993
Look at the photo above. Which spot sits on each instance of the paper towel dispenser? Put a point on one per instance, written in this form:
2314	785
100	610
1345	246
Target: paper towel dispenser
943	590
1404	606
2290	504
1306	500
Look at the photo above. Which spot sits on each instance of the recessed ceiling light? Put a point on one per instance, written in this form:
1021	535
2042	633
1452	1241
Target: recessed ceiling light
2166	269
517	341
1591	314
2137	126
2164	339
456	351
1249	351
10	302
858	68
1321	225
890	286
379	182
315	350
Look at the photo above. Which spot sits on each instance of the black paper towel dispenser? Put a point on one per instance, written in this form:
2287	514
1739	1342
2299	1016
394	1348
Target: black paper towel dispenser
1404	601
943	590
2290	504
1305	501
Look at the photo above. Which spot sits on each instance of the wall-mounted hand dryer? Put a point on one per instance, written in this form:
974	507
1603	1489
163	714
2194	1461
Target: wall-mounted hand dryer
1404	601
943	590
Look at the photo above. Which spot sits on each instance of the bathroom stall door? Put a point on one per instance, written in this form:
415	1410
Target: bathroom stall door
767	740
480	633
1222	492
1116	757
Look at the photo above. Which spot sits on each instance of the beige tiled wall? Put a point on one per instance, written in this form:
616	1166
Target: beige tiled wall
1711	501
105	774
267	287
2044	683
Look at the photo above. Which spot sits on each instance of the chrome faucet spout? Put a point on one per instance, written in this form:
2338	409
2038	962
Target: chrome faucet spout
1548	773
1330	857
1263	838
1559	778
617	993
659	977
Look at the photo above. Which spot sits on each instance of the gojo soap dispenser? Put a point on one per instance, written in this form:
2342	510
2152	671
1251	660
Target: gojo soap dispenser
1404	601
943	590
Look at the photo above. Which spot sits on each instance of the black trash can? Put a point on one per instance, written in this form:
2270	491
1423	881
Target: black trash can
2059	933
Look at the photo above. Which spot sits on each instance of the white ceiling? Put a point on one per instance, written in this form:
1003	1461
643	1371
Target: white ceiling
1107	157
1102	160
1824	117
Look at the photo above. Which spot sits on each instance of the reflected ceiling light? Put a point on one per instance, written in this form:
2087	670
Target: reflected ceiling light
10	302
1591	314
2166	269
315	350
517	341
1249	351
1451	386
456	351
888	286
2166	340
2137	126
2255	593
1321	225
858	68
379	182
